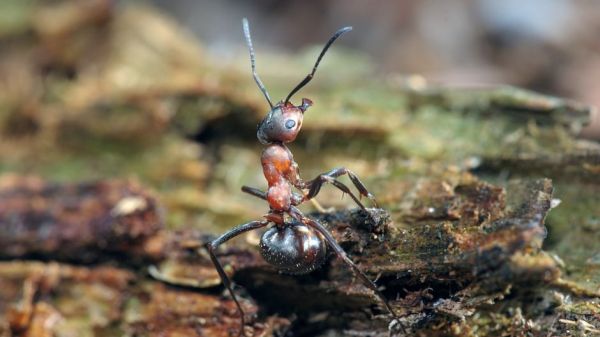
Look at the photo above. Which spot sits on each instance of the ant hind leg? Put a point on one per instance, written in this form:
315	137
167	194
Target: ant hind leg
212	246
339	251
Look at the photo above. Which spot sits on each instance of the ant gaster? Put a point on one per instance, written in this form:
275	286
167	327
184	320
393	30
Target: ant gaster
295	244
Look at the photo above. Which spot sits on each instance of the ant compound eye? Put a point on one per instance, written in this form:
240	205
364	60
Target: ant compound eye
290	123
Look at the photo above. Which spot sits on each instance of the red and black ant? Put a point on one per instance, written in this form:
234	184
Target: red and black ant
295	244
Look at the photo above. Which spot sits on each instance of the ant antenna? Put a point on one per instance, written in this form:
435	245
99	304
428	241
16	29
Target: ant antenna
253	62
310	76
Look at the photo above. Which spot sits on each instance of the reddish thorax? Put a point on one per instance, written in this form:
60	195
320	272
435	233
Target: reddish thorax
277	166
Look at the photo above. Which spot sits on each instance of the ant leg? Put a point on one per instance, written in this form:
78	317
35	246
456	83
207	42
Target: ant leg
337	172
297	199
255	192
315	185
211	246
295	212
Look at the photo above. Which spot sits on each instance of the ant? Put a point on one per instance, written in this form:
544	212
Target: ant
295	244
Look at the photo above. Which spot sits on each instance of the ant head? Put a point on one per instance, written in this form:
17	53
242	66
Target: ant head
282	123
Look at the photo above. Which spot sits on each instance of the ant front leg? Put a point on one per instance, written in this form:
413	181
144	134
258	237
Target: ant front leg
339	251
211	246
340	171
315	185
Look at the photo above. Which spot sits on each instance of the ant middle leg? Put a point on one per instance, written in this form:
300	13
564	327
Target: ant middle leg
255	192
296	198
329	177
212	246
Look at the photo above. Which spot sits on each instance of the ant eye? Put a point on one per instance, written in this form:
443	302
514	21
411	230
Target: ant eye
290	123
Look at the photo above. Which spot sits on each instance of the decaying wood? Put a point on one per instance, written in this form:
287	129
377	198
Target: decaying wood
442	265
52	299
462	249
82	222
457	256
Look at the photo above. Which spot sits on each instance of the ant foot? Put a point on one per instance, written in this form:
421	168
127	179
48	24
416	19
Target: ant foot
375	220
377	216
372	198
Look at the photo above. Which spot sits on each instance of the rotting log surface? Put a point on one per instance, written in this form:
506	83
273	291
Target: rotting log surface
52	299
82	222
464	249
437	266
67	117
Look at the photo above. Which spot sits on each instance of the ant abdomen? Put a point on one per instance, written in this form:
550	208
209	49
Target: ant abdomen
293	248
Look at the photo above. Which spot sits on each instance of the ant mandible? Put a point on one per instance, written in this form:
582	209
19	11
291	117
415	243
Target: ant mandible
295	244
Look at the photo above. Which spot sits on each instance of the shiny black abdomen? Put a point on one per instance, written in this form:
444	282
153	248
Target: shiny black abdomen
293	249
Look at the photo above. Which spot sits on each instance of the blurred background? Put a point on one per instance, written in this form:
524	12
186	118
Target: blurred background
547	46
161	91
436	105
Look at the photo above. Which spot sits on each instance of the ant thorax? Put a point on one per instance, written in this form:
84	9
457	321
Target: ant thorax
278	163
